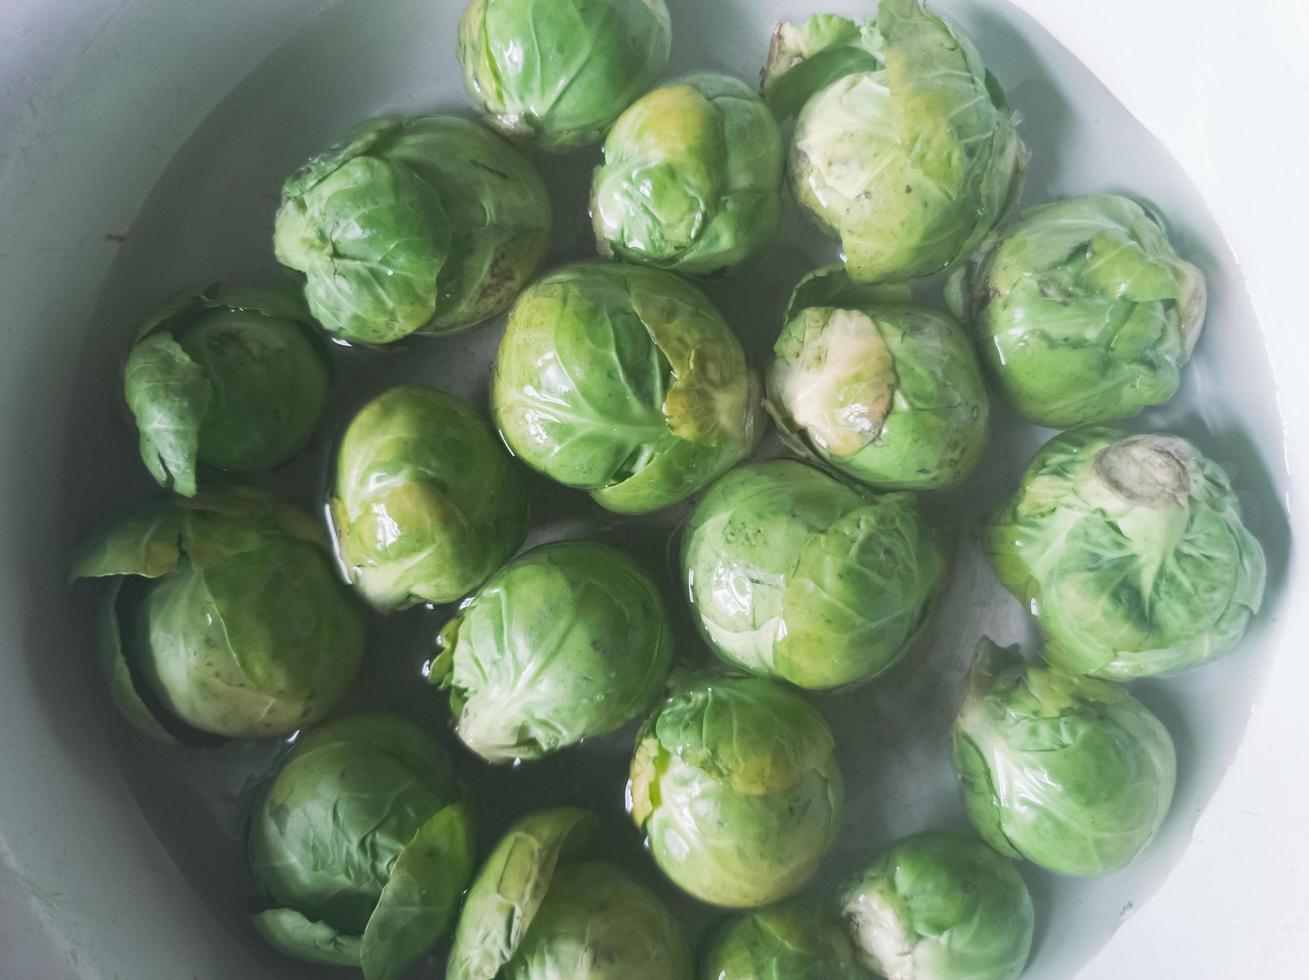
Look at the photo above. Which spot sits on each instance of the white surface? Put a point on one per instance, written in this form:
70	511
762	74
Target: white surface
1206	77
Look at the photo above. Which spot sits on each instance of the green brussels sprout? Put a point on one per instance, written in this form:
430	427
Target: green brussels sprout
623	381
425	225
567	641
536	911
904	147
795	575
1130	552
426	504
558	72
885	392
940	906
361	847
796	940
1083	310
1070	772
735	783
225	617
233	380
692	178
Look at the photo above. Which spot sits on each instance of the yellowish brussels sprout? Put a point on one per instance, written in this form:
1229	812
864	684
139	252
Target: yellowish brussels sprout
692	178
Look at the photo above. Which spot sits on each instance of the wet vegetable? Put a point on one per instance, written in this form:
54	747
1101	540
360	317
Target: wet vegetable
940	906
567	641
235	380
794	575
1070	772
796	940
625	382
558	72
1131	553
904	148
1083	310
736	786
224	617
361	847
538	911
692	178
426	503
886	392
429	225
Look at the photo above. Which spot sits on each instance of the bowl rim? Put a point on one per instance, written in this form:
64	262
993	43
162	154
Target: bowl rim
50	64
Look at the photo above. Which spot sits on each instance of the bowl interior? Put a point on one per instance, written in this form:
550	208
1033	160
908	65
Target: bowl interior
210	218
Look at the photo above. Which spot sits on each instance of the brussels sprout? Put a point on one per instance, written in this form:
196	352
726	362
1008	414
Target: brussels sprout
427	503
1070	772
692	178
623	381
735	783
903	147
361	847
1084	311
537	912
567	641
793	941
795	575
225	617
887	393
424	225
558	72
940	906
234	380
1130	552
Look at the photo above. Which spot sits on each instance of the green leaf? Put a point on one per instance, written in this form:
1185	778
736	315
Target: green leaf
804	60
859	593
832	286
122	685
372	237
420	897
508	890
168	394
179	308
358	141
709	400
213	520
1120	267
498	209
146	543
748	732
291	934
208	527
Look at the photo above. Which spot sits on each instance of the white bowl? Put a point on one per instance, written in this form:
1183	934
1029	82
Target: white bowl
143	149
